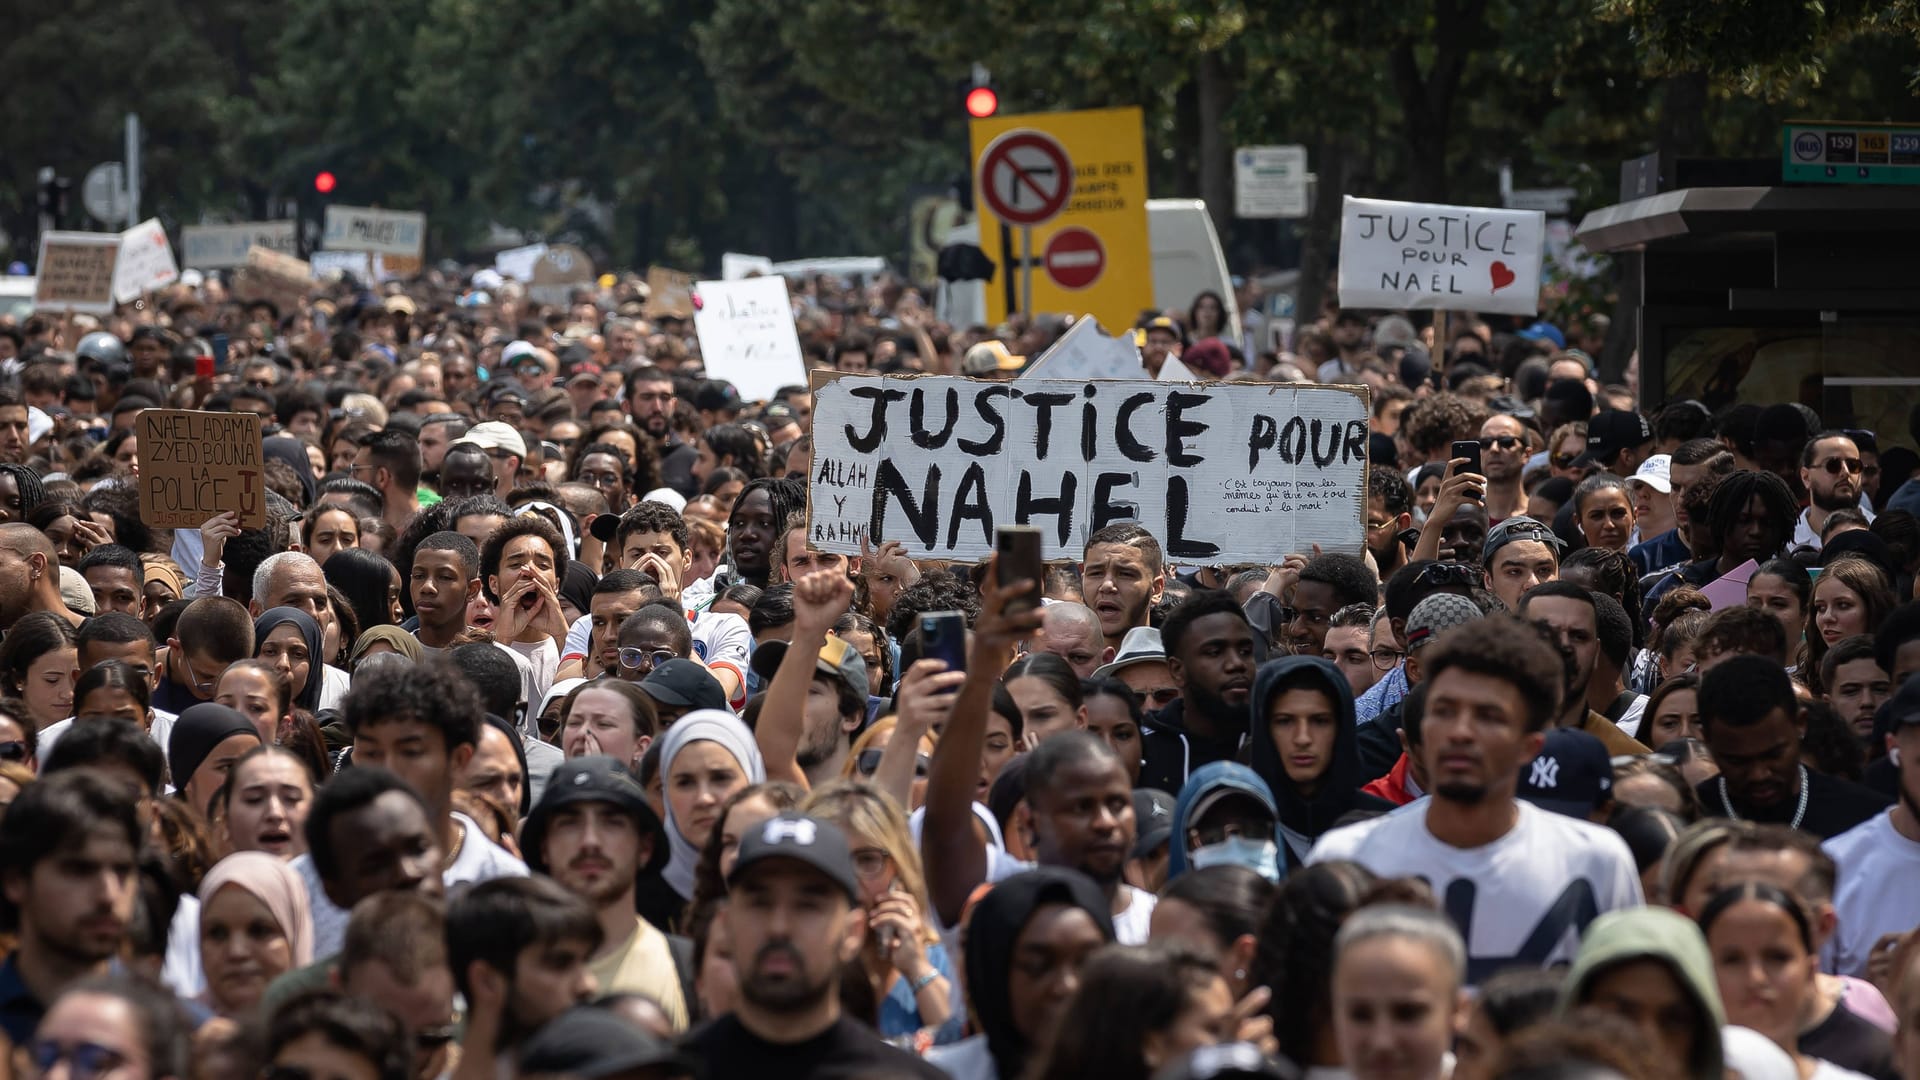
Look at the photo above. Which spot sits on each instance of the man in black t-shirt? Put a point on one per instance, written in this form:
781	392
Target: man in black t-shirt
794	916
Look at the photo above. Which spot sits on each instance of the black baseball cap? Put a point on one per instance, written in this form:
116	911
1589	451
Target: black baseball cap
1611	431
1572	774
685	684
591	1043
595	778
1153	820
810	841
1902	708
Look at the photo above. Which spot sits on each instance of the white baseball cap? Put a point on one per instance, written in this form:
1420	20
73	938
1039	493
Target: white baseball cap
1657	473
494	435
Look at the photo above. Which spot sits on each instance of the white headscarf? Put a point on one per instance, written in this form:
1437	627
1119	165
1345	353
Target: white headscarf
726	731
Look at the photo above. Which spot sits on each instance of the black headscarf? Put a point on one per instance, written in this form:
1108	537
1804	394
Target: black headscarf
993	929
1302	819
196	732
309	696
293	452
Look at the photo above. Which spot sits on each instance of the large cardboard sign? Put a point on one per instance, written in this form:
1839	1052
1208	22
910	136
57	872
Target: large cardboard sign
1398	256
194	465
669	292
1218	472
76	272
387	232
220	247
747	336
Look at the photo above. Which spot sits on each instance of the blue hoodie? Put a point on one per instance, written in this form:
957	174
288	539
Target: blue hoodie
1304	818
1206	780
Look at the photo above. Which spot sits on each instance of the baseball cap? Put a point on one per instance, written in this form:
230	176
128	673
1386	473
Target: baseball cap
400	304
1395	331
990	356
1141	644
515	350
592	1043
1657	473
1611	431
586	375
837	658
1153	820
1902	708
1520	528
494	435
1437	613
75	592
810	841
1542	330
596	778
1572	774
685	684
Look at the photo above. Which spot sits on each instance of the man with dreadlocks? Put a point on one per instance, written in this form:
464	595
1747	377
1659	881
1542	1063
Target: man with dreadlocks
1749	517
20	492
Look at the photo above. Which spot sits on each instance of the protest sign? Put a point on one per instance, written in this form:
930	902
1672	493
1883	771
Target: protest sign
357	263
76	272
278	279
362	228
517	263
1399	256
669	292
1086	352
735	266
747	337
194	465
1219	472
146	262
220	247
558	271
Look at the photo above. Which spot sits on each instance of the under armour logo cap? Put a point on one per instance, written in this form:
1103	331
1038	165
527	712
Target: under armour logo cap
796	838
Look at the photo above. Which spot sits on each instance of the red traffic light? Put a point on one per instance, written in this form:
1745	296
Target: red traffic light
982	102
323	183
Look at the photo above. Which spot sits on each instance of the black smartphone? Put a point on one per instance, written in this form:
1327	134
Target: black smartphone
1019	549
943	636
1469	449
220	343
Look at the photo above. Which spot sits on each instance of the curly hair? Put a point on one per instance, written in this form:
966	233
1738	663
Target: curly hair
1434	422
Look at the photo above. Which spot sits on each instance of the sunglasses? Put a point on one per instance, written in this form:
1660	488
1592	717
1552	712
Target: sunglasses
1834	465
1159	698
632	658
14	750
1504	442
84	1060
1564	461
869	763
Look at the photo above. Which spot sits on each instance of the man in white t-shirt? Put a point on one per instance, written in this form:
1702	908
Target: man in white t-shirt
1521	883
1877	856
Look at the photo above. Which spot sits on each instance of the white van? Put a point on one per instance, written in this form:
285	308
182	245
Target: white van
1187	261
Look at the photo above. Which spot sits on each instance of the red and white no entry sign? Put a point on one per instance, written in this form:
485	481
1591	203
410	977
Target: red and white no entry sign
1025	178
1075	258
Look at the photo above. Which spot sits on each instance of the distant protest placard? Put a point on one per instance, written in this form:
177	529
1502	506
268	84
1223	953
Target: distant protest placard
1219	472
1398	256
146	262
76	272
747	337
194	465
669	292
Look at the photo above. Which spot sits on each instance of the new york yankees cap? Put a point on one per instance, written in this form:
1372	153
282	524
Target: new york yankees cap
807	840
1572	774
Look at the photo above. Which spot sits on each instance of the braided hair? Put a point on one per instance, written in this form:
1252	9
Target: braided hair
32	491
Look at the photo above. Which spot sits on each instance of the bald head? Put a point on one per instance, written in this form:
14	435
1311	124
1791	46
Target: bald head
1071	632
23	540
29	574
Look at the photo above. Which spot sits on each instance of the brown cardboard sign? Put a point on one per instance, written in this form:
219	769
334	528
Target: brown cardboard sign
194	465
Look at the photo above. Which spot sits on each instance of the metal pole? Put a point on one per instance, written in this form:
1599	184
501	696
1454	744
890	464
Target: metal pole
1026	272
133	169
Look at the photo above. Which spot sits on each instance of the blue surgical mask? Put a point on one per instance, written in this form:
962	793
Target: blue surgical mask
1260	856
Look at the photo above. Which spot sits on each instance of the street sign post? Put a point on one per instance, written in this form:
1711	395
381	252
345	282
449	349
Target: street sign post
104	192
1270	182
1074	258
1026	179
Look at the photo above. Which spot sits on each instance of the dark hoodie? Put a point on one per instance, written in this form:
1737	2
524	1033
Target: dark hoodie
1170	752
1302	818
994	927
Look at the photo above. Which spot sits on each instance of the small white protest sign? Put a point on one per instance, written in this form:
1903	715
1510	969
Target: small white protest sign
1399	256
517	263
734	266
1218	472
146	262
220	247
1086	352
747	336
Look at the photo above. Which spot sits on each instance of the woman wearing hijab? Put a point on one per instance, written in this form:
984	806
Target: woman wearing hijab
205	742
293	452
1305	748
1053	918
289	639
384	639
255	926
707	756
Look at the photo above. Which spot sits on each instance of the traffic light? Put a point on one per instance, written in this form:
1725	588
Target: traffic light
982	100
323	182
54	195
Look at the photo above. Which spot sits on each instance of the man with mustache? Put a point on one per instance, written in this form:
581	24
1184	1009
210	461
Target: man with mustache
593	832
794	915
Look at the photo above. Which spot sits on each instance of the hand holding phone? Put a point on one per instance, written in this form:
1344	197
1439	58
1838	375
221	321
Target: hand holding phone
1018	547
1470	450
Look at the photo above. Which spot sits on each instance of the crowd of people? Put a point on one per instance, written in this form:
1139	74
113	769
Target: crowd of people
530	736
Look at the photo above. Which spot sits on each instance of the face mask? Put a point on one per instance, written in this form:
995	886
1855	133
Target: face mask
1260	856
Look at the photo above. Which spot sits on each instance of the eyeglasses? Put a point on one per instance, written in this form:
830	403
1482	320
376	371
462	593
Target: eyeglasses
869	763
85	1060
1158	698
15	750
1385	659
1833	465
1504	442
870	863
634	659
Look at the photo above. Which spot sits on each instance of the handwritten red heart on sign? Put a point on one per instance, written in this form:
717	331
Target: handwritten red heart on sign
1502	277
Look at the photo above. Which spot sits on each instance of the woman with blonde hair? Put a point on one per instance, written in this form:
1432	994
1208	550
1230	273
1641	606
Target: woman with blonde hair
911	973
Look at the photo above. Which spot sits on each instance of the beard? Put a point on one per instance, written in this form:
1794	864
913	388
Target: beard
1461	791
1833	499
818	745
610	887
791	994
